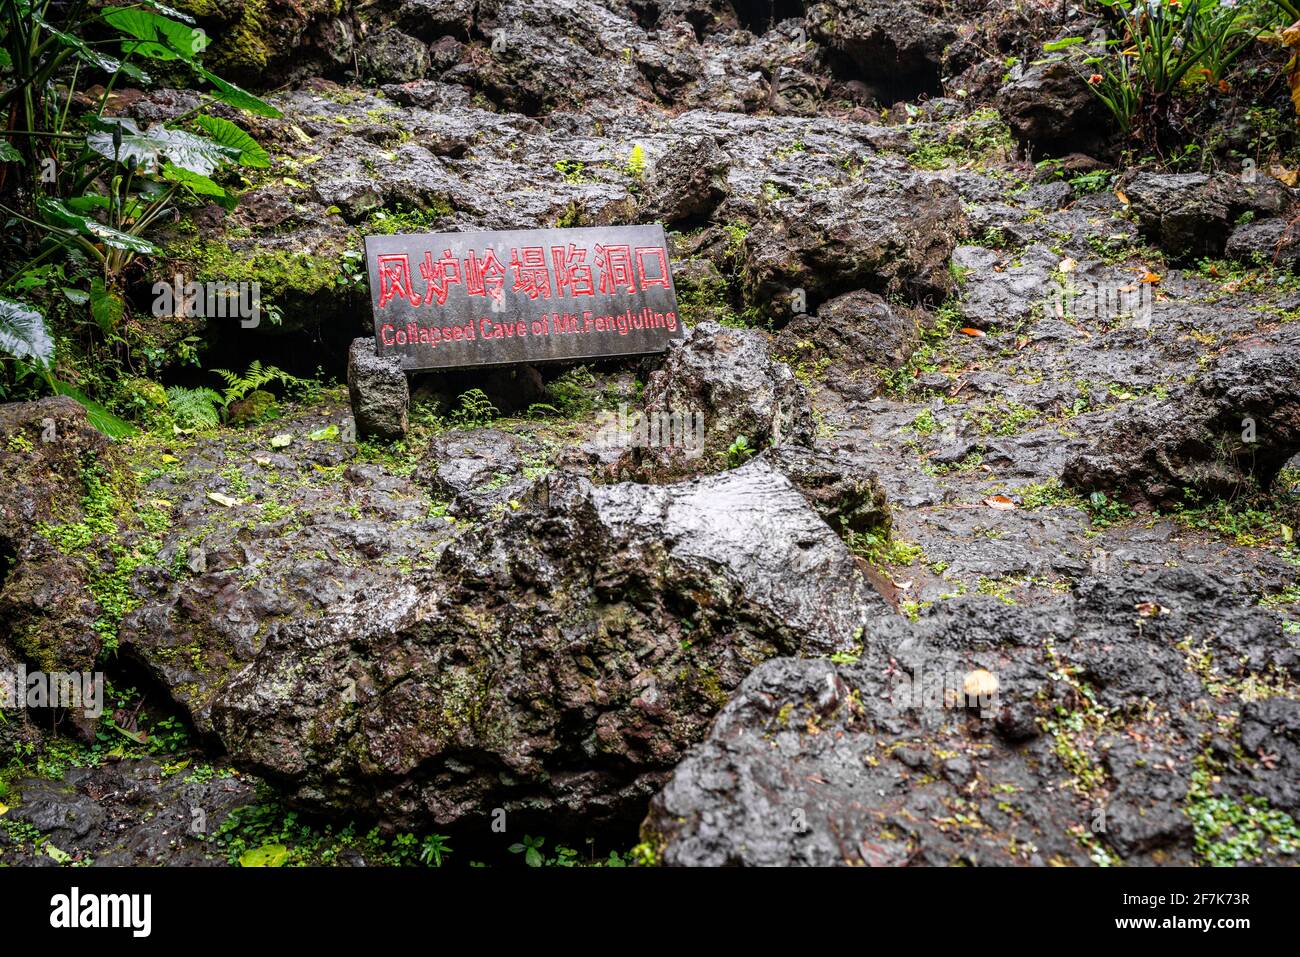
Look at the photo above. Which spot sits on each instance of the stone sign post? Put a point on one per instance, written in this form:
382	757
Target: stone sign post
460	300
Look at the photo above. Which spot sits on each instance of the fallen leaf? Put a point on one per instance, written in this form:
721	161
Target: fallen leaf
1287	534
57	854
1000	502
268	855
4	809
280	441
1147	609
261	460
968	331
167	459
1288	176
1150	277
1119	194
1067	265
139	737
221	498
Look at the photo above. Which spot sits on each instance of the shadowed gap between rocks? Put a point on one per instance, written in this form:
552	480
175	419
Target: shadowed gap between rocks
903	84
759	16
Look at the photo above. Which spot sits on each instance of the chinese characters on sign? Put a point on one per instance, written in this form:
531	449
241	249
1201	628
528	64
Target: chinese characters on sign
445	300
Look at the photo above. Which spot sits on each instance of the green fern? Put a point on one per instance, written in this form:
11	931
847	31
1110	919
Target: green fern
195	408
239	386
476	410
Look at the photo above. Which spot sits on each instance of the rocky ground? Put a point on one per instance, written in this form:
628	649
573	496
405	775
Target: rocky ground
1016	430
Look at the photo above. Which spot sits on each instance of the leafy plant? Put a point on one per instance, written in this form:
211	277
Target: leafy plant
92	187
739	452
1163	44
257	376
531	848
433	849
475	411
195	408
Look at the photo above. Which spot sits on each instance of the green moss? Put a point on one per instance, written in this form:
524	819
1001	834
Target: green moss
279	271
100	538
259	406
144	401
882	550
406	219
1231	832
240	42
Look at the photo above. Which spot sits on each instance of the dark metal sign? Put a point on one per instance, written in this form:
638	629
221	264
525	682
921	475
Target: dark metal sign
444	300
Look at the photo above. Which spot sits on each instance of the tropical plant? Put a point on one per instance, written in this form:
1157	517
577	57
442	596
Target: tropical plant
433	849
256	377
194	408
1162	45
475	410
89	188
531	848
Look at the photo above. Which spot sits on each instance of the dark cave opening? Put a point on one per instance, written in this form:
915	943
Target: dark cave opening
759	16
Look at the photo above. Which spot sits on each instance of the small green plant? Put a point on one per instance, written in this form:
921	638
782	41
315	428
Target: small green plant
635	167
925	423
531	848
1106	511
739	452
433	849
475	410
194	408
883	549
1164	45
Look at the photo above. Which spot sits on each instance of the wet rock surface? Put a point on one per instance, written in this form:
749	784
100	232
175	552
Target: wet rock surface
379	390
892	760
1236	424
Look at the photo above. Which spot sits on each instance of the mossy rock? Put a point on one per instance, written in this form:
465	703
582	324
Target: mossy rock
144	401
259	406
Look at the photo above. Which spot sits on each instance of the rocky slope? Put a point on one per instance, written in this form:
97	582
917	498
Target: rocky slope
1000	419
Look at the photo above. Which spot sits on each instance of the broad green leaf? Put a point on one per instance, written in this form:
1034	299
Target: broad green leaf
329	433
56	214
268	855
1063	43
121	140
149	48
185	41
58	855
199	184
23	332
89	202
239	98
228	134
78	297
106	63
105	306
99	417
139	737
135	73
166	11
9	153
280	441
